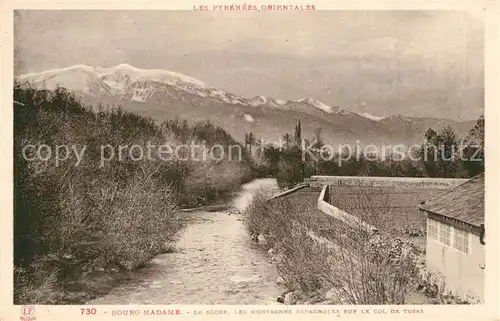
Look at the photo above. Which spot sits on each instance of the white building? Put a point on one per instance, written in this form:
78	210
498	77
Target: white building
456	237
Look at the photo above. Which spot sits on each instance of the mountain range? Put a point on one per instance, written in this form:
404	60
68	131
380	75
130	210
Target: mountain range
163	94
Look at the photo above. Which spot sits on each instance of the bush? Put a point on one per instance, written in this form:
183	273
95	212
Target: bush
26	290
257	214
291	168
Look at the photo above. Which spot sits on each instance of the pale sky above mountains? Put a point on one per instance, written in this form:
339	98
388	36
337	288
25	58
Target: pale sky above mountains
426	64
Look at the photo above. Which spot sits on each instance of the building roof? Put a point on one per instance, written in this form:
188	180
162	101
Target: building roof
464	202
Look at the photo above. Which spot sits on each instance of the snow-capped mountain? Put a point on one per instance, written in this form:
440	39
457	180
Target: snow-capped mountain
398	119
122	80
257	101
79	78
324	107
370	116
127	82
166	94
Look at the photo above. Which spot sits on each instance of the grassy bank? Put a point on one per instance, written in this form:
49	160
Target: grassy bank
79	223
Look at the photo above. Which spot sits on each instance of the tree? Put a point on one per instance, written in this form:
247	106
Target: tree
447	150
287	138
249	141
260	144
289	174
317	146
318	139
298	133
298	141
430	152
440	152
272	155
474	149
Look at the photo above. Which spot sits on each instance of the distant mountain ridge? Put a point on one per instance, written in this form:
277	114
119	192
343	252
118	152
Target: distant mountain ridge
165	94
126	81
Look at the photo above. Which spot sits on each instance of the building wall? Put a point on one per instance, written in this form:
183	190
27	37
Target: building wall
463	273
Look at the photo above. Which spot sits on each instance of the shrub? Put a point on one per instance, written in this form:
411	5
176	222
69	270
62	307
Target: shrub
350	263
26	290
257	214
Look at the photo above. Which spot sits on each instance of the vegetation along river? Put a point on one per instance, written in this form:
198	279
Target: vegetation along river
215	262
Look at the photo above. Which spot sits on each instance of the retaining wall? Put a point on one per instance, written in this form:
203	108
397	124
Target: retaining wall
408	182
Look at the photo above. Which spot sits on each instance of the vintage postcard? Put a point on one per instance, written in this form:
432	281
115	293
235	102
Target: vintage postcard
254	159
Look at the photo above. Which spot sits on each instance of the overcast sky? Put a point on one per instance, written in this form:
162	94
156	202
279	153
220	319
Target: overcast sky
427	64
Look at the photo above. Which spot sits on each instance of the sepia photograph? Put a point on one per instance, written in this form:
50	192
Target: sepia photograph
248	155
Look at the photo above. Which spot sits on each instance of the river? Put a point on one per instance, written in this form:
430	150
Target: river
215	263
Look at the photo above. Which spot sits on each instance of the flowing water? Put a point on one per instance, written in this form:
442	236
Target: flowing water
215	263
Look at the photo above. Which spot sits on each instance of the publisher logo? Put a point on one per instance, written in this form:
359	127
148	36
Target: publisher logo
27	312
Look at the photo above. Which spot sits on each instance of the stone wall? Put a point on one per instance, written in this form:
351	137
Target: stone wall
410	182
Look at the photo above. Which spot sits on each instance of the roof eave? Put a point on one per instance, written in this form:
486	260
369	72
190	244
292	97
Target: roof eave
449	218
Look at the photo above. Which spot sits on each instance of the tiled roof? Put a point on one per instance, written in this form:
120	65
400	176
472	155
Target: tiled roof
464	202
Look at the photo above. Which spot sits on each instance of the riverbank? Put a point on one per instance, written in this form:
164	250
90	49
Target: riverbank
214	263
94	211
93	285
